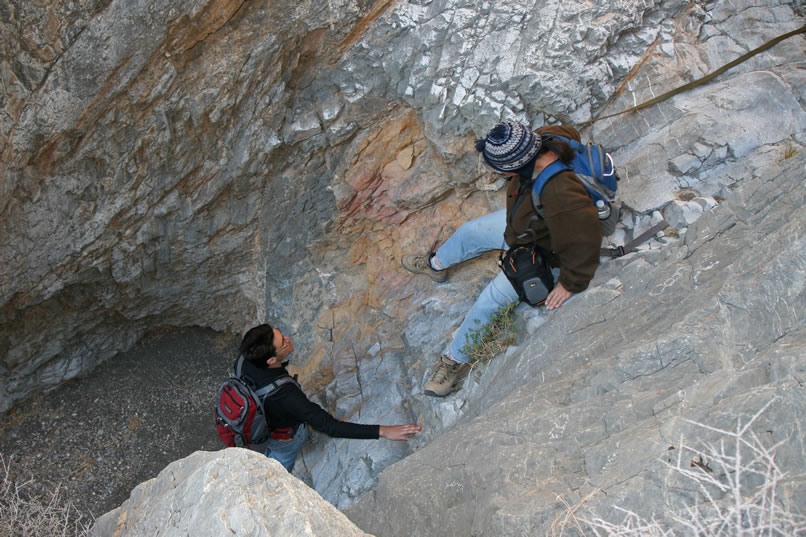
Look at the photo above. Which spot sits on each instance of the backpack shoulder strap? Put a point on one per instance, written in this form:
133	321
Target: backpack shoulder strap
275	385
547	173
269	388
239	366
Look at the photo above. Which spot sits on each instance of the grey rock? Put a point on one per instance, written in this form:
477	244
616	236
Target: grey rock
692	129
682	214
305	125
184	164
682	164
230	491
706	203
594	400
533	318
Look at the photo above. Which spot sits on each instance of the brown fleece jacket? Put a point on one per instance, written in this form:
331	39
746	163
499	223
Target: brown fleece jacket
571	228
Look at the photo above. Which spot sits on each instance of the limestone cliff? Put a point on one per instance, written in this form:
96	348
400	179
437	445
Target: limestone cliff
688	344
587	411
221	163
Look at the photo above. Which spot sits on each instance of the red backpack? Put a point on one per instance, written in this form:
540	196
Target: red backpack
241	420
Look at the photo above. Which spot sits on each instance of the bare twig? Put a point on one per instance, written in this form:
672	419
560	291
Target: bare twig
25	514
734	466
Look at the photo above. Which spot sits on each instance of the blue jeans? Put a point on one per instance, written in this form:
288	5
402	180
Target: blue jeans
474	238
286	451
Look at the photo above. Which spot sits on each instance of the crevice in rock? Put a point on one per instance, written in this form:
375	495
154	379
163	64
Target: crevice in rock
377	9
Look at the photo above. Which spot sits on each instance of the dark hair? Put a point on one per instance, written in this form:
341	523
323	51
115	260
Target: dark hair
257	345
548	143
526	170
558	147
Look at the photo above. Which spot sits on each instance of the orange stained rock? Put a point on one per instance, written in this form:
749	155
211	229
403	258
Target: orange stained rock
187	32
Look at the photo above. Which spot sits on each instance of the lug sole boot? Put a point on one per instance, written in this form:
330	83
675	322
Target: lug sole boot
447	375
420	264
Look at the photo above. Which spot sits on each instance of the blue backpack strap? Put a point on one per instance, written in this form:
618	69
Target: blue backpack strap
540	181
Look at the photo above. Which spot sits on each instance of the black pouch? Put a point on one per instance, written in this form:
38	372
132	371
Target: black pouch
528	270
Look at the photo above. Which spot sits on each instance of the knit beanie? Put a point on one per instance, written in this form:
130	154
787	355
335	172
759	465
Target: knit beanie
508	146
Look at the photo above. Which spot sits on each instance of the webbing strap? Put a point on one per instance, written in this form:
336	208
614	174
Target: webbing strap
273	386
700	81
637	241
590	162
523	188
539	180
268	389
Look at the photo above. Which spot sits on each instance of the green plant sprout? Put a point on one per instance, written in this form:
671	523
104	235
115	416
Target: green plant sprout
488	341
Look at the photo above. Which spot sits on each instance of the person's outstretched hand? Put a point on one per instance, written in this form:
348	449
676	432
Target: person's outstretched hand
557	297
399	432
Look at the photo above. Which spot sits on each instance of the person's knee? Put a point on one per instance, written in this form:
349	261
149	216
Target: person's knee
501	292
471	228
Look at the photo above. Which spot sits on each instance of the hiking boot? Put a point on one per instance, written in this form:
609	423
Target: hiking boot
420	264
446	377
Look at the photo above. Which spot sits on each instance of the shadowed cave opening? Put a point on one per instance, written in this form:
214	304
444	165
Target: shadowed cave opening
99	436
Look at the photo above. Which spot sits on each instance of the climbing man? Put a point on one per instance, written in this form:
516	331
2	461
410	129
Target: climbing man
288	410
569	230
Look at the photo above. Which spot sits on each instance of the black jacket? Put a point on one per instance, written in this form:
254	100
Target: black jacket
289	406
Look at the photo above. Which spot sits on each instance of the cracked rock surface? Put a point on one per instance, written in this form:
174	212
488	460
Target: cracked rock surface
200	163
709	329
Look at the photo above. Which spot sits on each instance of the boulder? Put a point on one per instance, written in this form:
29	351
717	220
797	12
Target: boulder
232	491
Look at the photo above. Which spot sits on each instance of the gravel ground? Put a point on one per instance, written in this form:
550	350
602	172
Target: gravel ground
100	436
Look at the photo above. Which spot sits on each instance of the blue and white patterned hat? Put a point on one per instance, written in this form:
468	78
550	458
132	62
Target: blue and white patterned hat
509	146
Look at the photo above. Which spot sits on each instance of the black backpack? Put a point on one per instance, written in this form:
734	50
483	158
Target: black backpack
529	272
241	420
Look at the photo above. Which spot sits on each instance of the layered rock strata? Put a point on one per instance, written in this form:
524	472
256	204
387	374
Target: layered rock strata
217	164
137	142
587	411
672	349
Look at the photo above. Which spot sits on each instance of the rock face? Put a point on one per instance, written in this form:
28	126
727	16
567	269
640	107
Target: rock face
135	147
221	163
234	491
595	400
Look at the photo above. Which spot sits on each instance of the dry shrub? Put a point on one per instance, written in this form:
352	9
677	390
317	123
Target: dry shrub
739	482
25	514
